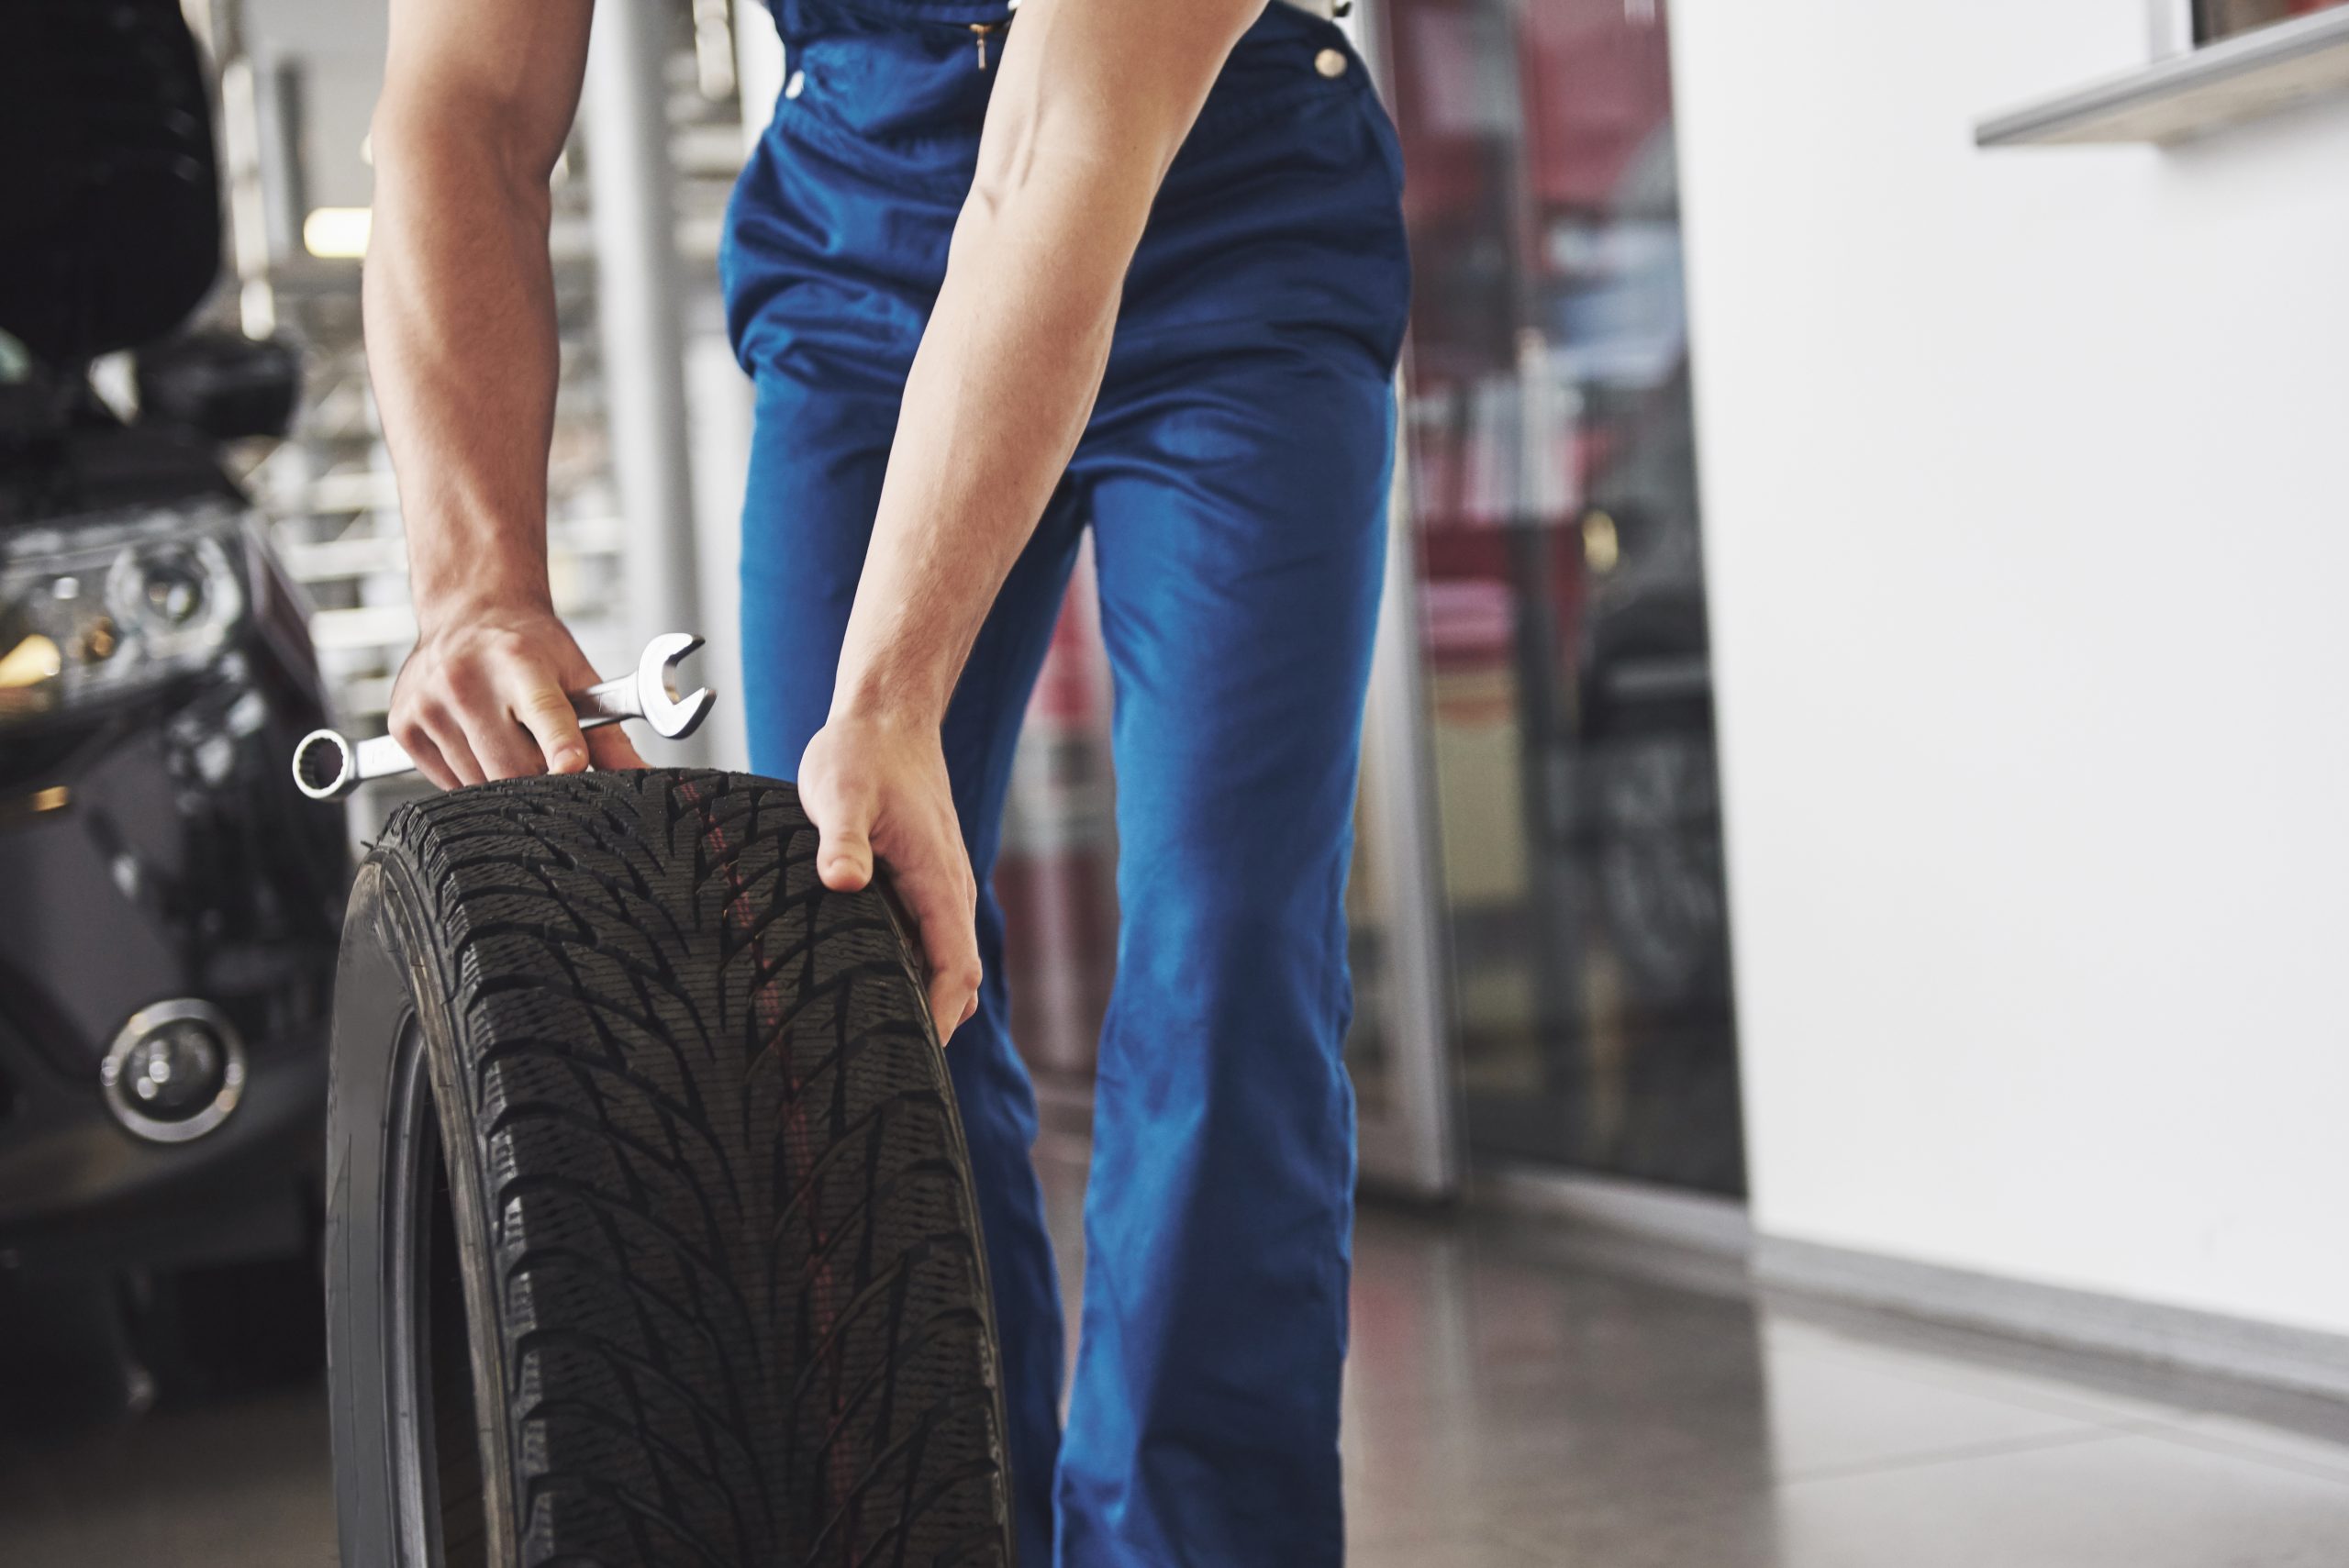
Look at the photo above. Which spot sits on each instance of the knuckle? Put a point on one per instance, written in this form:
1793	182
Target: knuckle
412	699
459	680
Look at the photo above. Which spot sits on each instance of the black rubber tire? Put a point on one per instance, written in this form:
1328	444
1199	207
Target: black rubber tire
700	1282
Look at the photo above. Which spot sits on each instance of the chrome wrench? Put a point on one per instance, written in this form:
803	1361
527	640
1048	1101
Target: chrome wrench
328	765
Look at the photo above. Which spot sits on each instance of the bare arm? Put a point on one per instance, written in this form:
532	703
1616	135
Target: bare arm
478	99
1095	98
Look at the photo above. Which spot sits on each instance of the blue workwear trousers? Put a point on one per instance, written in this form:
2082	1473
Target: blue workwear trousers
1234	474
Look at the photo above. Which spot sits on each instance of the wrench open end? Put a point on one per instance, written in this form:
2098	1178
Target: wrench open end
672	717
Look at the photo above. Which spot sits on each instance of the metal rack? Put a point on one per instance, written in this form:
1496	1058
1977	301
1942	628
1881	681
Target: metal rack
327	489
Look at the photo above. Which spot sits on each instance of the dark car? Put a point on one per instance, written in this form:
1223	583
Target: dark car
169	905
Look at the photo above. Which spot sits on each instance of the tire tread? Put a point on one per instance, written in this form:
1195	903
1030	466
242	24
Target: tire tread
743	1295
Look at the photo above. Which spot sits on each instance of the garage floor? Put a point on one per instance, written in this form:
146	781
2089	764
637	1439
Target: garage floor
1523	1399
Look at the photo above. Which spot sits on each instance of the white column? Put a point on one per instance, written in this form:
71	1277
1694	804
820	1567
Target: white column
624	121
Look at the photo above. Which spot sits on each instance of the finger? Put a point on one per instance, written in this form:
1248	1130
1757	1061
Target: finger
504	748
950	942
422	752
546	714
447	735
472	728
610	748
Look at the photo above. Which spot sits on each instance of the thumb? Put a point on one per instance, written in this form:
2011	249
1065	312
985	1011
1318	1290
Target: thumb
844	851
546	713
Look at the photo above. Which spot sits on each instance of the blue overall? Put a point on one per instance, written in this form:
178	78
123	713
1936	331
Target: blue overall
1234	474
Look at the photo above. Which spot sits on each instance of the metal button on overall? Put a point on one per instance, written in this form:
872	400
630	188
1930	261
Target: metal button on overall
984	31
1234	477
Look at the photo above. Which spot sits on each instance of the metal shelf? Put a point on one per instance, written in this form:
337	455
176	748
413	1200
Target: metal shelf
2190	95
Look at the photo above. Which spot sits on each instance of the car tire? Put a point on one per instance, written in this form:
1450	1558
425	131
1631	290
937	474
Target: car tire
650	1231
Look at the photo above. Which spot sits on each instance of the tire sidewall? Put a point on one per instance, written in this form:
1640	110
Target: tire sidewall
392	970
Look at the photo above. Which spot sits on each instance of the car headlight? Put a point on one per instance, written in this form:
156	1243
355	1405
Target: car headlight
103	610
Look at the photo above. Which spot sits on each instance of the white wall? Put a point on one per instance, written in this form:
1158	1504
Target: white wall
2027	489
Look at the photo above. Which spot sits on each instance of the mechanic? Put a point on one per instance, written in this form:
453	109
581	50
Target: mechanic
999	276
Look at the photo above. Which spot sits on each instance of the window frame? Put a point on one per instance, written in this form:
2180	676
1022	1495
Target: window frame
2176	26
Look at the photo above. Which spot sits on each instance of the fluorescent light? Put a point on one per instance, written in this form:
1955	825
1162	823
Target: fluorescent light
336	233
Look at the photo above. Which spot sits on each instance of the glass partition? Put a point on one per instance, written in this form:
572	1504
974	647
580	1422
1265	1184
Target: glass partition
1554	497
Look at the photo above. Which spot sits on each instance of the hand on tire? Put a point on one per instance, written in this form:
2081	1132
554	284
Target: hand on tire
876	788
484	697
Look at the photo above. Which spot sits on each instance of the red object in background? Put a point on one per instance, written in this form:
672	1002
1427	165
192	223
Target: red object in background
1068	684
1566	94
1582	84
1056	877
1597	82
1452	102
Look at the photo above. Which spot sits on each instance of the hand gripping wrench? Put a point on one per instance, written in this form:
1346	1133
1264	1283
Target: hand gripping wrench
328	765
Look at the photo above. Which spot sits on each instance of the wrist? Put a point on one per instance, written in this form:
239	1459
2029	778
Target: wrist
439	613
900	706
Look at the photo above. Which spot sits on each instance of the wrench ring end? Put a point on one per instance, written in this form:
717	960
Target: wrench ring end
324	768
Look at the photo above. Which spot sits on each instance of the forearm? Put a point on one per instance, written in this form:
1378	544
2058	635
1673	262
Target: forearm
478	97
461	347
1090	103
1093	100
999	391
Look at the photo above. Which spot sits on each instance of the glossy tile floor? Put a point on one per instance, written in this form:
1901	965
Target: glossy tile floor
1521	1400
1521	1397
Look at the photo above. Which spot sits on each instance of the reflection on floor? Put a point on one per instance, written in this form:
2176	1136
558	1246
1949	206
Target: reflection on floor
240	1485
1518	1399
1523	1398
